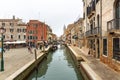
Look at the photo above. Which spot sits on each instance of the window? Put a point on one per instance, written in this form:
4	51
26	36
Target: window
105	47
5	30
35	25
118	15
11	30
11	36
3	24
35	38
116	48
23	30
98	20
30	37
18	30
83	15
33	32
18	36
30	32
118	9
24	37
11	24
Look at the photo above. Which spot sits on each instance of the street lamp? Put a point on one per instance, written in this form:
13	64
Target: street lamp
2	30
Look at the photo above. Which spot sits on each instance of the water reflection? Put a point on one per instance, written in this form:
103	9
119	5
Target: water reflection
58	66
41	70
71	63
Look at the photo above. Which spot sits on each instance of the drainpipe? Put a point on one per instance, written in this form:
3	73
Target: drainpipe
86	24
101	27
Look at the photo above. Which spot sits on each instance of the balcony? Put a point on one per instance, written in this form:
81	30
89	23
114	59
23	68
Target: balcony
96	31
93	32
91	9
89	33
113	25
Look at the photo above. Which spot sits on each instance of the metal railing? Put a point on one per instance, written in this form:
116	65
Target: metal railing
96	30
89	32
116	54
113	24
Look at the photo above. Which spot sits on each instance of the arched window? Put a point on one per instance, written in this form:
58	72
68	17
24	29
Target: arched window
117	14
117	9
98	20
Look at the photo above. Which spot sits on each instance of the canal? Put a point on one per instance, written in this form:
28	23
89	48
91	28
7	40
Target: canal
58	65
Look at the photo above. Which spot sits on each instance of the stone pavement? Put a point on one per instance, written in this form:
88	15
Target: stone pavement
102	70
14	59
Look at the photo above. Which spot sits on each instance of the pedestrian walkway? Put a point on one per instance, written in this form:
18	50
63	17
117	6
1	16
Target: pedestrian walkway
14	59
98	67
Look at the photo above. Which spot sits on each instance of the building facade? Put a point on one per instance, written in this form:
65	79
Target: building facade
74	33
15	30
79	32
111	33
92	26
102	29
49	34
36	32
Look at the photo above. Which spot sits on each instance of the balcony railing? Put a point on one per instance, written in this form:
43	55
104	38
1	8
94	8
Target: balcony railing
116	54
113	24
96	30
88	33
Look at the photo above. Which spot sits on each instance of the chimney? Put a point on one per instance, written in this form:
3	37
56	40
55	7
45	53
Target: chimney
13	17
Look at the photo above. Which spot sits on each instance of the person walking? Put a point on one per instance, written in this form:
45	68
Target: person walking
40	46
29	49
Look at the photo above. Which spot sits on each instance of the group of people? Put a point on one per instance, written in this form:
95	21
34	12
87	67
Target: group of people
40	46
6	47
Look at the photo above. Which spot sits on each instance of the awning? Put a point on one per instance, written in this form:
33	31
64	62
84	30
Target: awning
15	42
39	41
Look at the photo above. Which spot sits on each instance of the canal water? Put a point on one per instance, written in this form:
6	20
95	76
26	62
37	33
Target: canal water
58	65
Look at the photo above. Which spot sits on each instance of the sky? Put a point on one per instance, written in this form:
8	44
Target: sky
55	13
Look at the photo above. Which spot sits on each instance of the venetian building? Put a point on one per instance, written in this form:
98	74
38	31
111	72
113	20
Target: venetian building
102	25
36	32
15	30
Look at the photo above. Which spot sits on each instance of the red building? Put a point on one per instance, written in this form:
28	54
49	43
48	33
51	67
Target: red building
36	32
